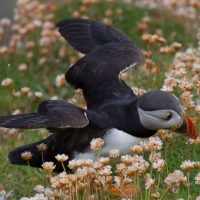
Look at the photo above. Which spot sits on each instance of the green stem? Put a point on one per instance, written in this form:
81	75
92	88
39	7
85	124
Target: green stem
26	99
9	100
177	192
158	182
30	172
151	169
194	152
98	154
164	192
77	191
188	177
11	105
63	166
149	193
37	103
166	158
146	194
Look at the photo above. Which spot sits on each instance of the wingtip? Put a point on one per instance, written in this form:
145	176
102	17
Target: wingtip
65	21
59	24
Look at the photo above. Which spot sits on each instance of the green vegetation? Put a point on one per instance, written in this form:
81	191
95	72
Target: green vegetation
49	56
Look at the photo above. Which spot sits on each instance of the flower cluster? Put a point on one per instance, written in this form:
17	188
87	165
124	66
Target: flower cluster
134	170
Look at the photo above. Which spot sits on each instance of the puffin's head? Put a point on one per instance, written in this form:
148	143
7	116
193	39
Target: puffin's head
161	110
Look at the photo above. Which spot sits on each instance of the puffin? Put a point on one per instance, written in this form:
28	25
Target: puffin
114	113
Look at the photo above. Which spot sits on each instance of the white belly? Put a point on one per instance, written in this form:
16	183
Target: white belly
113	139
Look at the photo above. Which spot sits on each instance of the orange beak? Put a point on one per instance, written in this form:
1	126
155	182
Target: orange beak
187	128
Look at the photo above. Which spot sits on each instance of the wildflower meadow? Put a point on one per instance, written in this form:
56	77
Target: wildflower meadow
34	58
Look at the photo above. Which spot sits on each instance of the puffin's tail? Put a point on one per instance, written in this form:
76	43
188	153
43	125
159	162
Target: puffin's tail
36	159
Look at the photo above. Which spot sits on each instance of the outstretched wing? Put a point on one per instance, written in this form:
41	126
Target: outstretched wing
109	52
85	35
50	113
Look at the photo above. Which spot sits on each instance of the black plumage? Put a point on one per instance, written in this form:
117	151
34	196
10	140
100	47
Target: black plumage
108	51
50	113
112	107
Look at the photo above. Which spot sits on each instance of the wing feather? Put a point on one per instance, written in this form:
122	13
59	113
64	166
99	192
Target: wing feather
50	113
109	52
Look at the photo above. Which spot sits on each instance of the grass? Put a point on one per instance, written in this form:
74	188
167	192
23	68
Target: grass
20	179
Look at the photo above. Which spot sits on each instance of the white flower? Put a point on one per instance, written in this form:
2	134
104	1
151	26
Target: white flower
25	90
155	195
137	149
84	171
104	160
114	153
145	145
154	156
16	94
27	155
167	88
22	67
54	98
48	25
5	22
185	85
176	178
45	41
170	82
176	45
48	166
181	72
42	147
42	61
133	169
159	165
17	112
121	168
96	143
38	95
106	171
155	143
197	109
73	164
187	96
149	182
61	157
48	192
40	197
118	181
88	162
127	159
60	80
97	165
187	165
39	188
7	82
197	179
196	68
37	23
180	65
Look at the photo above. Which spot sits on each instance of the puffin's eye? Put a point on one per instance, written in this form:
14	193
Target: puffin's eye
168	117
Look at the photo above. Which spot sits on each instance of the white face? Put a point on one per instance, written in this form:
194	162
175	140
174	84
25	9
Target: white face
159	119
